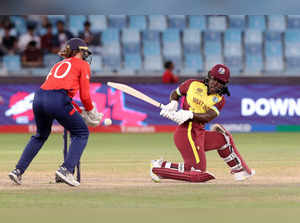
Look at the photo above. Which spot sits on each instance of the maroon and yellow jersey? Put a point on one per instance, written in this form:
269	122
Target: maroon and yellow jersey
197	99
71	74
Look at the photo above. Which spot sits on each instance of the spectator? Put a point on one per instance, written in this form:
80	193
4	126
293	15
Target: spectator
9	43
49	42
28	37
87	35
32	56
62	34
168	76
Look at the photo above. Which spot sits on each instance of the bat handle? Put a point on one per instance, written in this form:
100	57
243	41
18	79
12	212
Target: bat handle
161	106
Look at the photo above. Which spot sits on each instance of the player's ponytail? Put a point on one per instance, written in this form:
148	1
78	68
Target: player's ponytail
66	52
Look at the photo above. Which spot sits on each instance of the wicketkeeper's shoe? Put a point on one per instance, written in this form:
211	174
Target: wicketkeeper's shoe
16	176
243	175
155	164
66	176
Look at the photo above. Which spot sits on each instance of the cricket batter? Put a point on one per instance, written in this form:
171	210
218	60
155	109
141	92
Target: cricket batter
203	102
54	101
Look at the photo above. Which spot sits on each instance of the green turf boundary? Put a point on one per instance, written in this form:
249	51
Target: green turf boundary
288	128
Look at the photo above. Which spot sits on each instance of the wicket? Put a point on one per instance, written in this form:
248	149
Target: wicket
65	152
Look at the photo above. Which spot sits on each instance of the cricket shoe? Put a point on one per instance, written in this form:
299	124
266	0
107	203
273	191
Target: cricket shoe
16	176
66	176
243	175
155	164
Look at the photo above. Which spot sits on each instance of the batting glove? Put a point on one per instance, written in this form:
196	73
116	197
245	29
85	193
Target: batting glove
182	116
167	114
172	106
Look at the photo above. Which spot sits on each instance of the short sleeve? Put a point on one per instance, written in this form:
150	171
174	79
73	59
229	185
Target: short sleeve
183	88
218	106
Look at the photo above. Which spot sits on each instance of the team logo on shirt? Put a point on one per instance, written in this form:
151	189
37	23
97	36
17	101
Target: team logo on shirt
215	99
221	70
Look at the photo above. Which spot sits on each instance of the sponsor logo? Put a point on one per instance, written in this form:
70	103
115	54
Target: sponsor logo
215	99
221	70
20	107
270	106
236	127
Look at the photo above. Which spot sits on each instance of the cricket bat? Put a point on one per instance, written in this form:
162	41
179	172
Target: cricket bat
135	93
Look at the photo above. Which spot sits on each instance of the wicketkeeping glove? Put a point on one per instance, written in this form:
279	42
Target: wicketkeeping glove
91	118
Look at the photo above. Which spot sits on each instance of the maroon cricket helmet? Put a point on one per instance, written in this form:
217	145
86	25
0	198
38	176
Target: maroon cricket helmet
220	72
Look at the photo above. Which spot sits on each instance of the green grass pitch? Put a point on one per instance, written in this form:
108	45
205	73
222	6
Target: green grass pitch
115	174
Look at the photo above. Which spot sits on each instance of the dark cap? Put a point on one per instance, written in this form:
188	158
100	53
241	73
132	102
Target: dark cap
220	72
77	44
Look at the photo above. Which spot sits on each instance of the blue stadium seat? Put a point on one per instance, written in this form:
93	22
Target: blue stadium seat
98	23
237	22
54	18
212	36
117	21
131	40
273	35
194	62
276	23
42	72
217	23
153	63
172	49
233	35
233	49
76	23
177	21
192	36
112	62
96	64
256	22
253	49
157	22
253	64
190	48
192	40
151	48
110	36
292	36
235	64
20	23
138	22
293	21
51	59
273	48
292	49
12	63
112	49
171	36
131	48
212	48
197	22
293	66
274	64
253	36
150	35
211	60
132	61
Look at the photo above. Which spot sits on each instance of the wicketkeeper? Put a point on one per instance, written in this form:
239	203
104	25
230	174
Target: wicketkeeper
54	101
203	101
